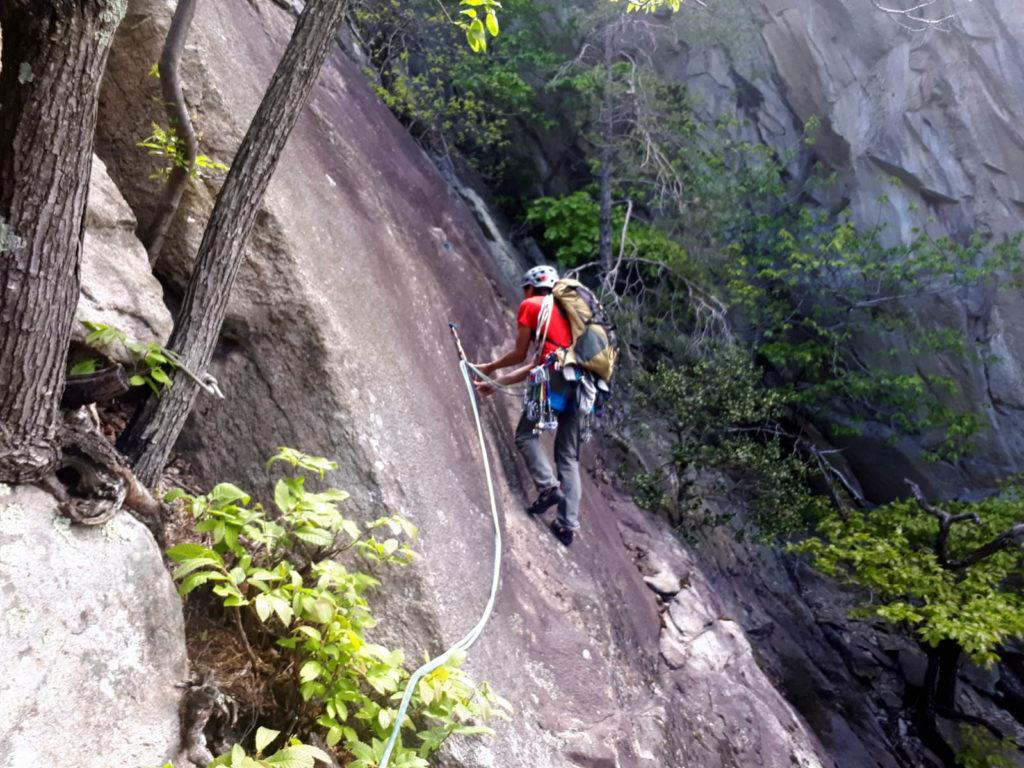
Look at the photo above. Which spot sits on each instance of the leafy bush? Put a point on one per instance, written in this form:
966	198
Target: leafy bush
165	144
895	553
450	98
569	231
293	755
152	361
813	287
279	574
980	749
721	415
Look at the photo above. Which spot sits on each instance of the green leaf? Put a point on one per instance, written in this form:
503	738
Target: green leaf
264	736
226	493
137	381
89	365
492	23
158	375
182	552
282	496
263	607
310	671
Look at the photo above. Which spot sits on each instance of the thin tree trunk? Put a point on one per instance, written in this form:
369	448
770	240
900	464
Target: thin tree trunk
607	154
946	680
177	119
54	54
926	714
151	435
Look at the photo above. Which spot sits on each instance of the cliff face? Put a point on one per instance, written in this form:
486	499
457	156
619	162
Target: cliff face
618	652
337	343
939	112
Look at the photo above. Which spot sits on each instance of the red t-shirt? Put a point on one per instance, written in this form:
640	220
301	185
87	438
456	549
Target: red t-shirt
559	332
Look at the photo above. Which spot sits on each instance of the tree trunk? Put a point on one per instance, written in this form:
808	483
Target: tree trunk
54	54
925	711
179	121
946	680
607	120
151	435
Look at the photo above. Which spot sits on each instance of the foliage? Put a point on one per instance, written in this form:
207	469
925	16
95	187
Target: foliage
293	755
164	143
649	6
451	99
891	552
570	231
152	361
475	27
282	571
980	749
813	286
722	416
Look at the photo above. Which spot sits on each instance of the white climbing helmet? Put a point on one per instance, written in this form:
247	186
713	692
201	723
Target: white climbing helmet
540	277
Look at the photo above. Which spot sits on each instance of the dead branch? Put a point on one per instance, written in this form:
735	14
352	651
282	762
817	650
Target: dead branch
612	276
914	18
96	387
1011	537
203	699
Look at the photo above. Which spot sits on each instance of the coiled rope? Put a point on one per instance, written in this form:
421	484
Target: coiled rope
471	637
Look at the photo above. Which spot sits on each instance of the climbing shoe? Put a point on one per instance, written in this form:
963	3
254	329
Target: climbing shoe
547	499
563	534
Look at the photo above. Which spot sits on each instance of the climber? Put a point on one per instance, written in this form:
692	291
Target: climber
555	334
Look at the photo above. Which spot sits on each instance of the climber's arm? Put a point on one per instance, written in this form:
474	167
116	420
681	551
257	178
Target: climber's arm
514	357
512	377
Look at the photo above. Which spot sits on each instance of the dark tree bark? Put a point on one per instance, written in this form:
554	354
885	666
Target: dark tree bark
54	54
97	387
177	119
926	709
150	436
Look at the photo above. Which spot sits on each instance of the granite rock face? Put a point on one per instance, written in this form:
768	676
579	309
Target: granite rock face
118	288
93	637
939	112
337	342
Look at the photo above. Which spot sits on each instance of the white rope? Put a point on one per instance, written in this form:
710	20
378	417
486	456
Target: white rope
544	319
470	637
505	389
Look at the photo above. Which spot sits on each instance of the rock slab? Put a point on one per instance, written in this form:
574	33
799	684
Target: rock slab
118	288
93	639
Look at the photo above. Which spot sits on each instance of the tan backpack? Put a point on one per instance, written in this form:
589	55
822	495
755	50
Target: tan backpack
594	345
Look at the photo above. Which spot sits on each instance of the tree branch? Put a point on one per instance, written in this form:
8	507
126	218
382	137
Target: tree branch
945	519
178	120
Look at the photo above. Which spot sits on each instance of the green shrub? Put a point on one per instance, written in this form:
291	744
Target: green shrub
153	362
569	231
893	553
282	574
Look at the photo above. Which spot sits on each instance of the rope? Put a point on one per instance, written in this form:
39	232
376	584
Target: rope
205	381
505	389
471	636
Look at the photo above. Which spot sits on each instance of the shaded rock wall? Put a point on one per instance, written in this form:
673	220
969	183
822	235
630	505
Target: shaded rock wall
337	342
93	637
938	111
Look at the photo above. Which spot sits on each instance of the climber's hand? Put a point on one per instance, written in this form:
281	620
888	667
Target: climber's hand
483	388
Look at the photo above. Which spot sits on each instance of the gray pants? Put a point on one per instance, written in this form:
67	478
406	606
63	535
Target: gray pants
567	461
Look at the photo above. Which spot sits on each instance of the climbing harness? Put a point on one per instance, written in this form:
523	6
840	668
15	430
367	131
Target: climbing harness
471	637
537	400
205	381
